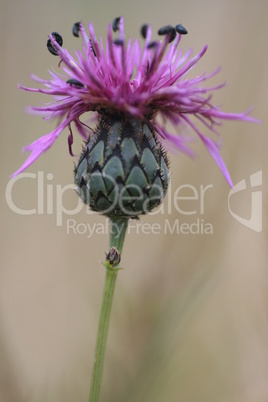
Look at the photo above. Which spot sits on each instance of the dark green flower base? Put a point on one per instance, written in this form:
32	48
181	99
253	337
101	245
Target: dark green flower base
123	169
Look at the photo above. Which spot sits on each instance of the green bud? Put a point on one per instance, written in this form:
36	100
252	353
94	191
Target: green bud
123	169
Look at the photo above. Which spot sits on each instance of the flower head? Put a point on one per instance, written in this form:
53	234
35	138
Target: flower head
122	78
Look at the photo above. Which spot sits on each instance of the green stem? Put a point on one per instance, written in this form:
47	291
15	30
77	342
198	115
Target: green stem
118	229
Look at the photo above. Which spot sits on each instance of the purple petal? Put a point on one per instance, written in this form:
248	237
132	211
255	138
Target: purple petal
215	153
36	148
41	145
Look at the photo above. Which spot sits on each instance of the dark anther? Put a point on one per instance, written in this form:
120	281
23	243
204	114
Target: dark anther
118	42
92	47
76	29
147	67
113	257
168	29
70	141
181	30
144	29
75	83
172	35
58	39
115	24
152	44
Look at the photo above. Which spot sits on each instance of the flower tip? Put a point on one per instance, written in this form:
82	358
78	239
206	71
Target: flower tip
20	170
227	176
253	119
205	48
245	116
228	179
13	175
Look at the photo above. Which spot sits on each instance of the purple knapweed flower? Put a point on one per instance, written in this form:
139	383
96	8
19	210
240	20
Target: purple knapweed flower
123	79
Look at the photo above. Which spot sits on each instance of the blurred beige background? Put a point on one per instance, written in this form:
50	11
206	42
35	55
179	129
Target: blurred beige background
189	320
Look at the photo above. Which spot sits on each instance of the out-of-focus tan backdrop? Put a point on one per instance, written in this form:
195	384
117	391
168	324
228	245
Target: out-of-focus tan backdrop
189	321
